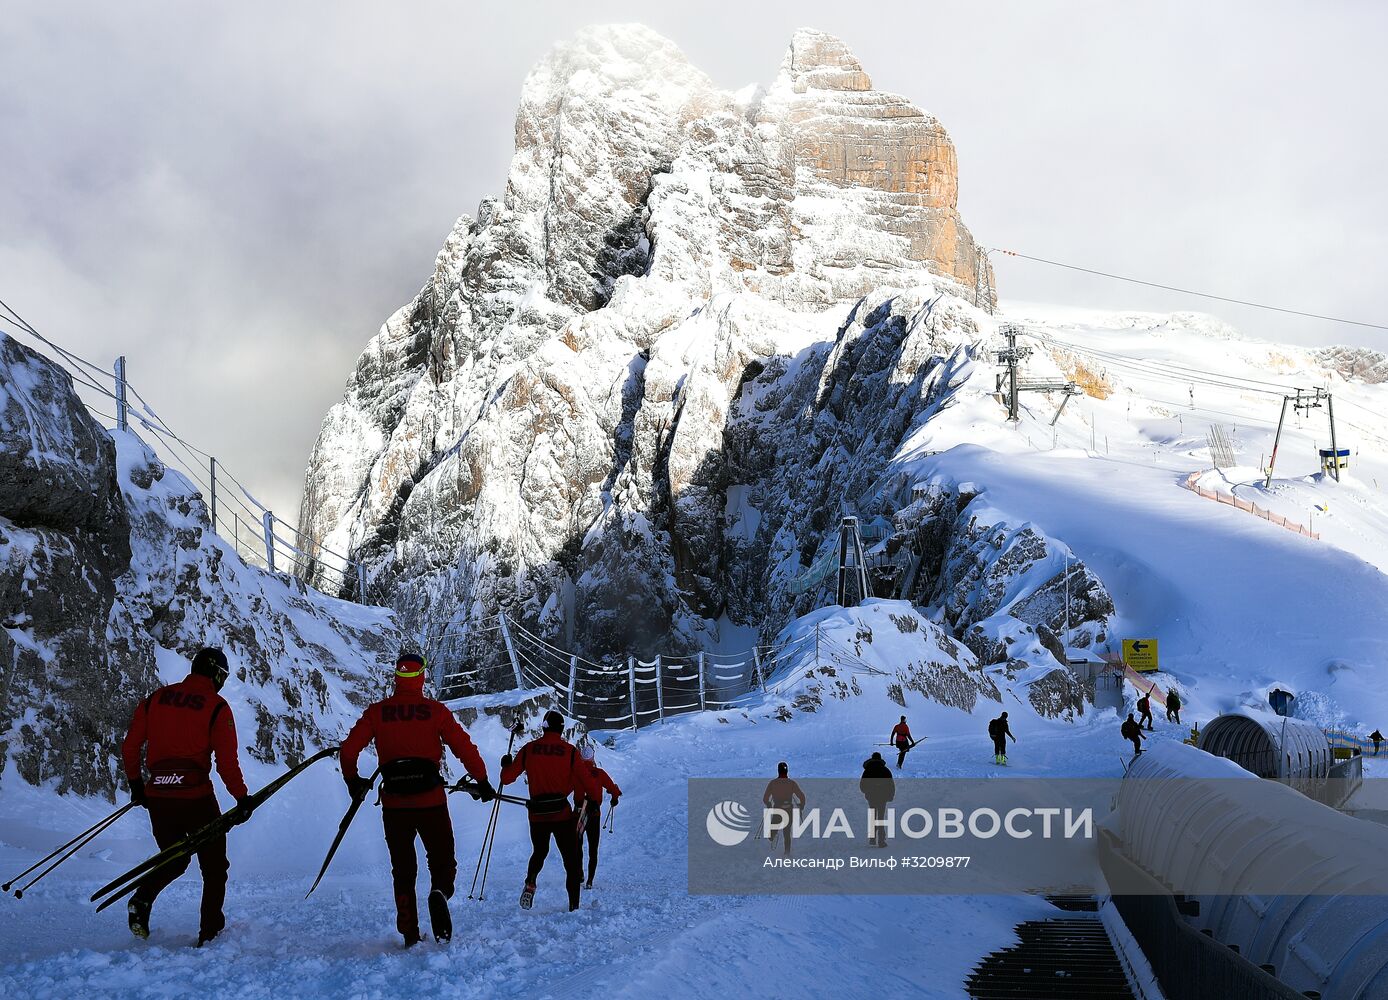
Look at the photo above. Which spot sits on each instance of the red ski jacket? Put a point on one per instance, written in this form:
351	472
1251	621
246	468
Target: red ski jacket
407	724
183	725
553	770
901	733
600	778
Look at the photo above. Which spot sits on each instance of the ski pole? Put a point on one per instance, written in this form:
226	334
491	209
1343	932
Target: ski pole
471	788
124	884
341	832
102	823
487	867
490	832
610	811
87	838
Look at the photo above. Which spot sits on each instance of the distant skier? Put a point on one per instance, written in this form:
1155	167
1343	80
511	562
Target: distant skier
181	727
1173	706
1132	731
783	795
1377	737
879	789
592	808
554	770
1144	708
901	738
410	732
1000	731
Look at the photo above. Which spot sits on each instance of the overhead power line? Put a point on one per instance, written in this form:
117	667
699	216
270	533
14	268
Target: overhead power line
1191	291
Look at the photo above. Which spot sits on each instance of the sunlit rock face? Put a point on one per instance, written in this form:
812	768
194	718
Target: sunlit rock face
570	421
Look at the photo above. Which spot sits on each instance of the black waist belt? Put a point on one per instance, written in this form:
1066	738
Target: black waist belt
410	776
547	805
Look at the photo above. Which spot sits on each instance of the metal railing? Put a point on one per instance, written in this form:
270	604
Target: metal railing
1188	963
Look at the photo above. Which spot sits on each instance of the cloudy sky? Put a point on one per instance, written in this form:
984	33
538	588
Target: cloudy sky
236	196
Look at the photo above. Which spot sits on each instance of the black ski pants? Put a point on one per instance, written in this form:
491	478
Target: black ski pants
1147	718
434	828
901	750
172	820
593	831
565	834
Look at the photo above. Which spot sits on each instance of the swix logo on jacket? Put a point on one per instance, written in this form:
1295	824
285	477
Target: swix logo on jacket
180	728
554	771
407	724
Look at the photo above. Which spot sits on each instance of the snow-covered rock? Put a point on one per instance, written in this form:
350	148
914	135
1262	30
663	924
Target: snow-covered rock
72	672
558	424
111	578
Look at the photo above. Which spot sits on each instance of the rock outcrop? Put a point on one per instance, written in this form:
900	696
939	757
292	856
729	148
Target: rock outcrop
570	421
72	669
111	578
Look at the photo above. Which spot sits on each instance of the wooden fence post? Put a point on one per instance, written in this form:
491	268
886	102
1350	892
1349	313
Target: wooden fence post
122	408
659	689
631	685
361	583
756	665
573	681
703	698
267	521
212	468
511	651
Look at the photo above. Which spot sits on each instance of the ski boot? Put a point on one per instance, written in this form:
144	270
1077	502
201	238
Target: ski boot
138	911
412	938
439	918
527	897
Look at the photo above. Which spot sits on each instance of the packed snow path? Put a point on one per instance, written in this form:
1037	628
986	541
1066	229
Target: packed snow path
638	932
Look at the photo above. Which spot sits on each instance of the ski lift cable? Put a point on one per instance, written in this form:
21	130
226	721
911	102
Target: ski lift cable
1190	291
1161	369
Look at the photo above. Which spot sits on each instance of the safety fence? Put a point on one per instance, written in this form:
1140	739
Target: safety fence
258	535
1191	483
1345	740
1185	961
630	692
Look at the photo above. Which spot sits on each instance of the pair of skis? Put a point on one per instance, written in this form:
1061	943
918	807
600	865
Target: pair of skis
121	886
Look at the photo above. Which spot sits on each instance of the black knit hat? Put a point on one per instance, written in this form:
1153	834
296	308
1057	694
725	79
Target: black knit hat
554	722
212	664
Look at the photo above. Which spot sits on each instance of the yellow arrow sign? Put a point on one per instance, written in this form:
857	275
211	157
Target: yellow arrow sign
1140	654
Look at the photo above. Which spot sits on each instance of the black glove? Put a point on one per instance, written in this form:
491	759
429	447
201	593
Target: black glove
483	791
507	760
615	797
358	788
242	812
137	793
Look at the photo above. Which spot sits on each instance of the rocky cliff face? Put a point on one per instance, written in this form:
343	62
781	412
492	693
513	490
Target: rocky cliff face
639	387
111	578
72	671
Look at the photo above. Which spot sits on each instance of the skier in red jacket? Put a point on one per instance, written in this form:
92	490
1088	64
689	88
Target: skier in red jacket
901	736
592	808
411	731
554	770
180	727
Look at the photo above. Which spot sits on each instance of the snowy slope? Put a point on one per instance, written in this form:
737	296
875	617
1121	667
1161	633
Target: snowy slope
638	933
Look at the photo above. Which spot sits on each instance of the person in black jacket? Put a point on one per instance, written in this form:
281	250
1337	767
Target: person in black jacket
878	788
999	730
1173	707
1377	737
1132	731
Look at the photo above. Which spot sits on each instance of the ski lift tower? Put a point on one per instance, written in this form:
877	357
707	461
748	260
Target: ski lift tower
852	564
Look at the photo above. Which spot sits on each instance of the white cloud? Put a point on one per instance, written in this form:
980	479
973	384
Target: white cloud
235	197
